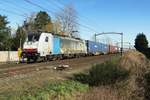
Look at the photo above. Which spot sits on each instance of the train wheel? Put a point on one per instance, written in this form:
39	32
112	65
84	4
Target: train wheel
45	59
35	59
55	58
28	59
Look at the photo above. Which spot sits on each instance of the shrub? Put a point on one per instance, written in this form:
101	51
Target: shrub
82	77
102	74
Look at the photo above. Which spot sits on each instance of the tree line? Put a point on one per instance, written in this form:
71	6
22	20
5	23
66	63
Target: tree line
65	23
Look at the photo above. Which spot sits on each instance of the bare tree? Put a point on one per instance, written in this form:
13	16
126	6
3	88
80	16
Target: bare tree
57	26
68	20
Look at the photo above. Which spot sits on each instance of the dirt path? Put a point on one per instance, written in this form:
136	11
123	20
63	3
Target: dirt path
37	77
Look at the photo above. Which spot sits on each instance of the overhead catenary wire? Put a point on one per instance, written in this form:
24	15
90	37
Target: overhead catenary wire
15	6
37	5
46	9
82	17
12	12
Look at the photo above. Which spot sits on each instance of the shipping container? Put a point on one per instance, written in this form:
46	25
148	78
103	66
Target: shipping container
96	47
113	49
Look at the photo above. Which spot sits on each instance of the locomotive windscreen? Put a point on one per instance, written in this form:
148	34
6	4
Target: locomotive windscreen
33	37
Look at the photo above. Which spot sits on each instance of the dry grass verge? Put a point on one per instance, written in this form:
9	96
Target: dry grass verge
133	88
136	63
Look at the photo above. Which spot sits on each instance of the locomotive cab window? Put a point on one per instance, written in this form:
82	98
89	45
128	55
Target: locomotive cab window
46	39
33	37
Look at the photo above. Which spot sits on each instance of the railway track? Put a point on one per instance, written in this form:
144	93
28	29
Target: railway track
10	70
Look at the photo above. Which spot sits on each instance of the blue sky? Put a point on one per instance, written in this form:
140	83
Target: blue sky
127	16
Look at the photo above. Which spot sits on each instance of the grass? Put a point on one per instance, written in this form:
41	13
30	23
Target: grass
102	74
106	81
98	83
51	91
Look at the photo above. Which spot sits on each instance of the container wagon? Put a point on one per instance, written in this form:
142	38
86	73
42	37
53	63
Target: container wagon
113	49
96	48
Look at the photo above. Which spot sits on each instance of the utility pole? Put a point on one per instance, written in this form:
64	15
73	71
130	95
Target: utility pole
95	37
20	43
129	46
117	47
121	44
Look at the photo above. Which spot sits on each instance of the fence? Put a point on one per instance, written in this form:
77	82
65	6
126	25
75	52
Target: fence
6	56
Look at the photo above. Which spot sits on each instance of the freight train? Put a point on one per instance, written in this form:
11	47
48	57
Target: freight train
49	46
